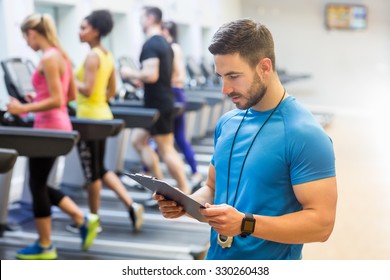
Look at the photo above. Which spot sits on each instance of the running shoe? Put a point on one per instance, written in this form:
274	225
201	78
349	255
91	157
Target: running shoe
136	214
88	231
37	252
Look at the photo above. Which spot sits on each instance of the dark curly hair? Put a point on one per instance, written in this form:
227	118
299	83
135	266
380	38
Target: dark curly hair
102	21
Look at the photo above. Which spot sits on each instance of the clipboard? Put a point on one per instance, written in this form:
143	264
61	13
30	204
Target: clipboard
160	187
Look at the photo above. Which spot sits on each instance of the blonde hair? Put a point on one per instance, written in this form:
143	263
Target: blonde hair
45	26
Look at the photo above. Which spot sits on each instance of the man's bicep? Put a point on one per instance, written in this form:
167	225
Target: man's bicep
150	70
319	196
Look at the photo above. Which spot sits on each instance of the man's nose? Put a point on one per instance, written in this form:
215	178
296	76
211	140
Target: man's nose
226	88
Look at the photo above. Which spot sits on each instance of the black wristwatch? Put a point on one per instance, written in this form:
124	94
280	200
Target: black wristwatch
248	225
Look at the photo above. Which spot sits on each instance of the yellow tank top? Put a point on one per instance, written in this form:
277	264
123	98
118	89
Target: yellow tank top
95	106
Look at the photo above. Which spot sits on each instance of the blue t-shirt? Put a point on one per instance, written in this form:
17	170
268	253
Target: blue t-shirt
292	148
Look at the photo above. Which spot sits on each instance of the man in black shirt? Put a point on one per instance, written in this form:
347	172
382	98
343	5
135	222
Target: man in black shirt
156	72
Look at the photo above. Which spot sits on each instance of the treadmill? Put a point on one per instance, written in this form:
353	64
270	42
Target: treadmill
30	142
7	160
159	238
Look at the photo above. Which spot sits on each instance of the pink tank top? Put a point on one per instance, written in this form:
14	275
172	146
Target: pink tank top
57	118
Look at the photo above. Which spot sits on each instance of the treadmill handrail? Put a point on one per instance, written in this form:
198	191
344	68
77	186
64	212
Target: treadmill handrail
37	132
136	116
195	103
7	159
127	103
92	129
34	142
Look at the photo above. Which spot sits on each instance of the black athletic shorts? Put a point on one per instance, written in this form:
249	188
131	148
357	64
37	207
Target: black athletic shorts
164	124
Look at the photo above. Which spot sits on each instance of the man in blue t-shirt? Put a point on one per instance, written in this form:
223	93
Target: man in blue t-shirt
271	185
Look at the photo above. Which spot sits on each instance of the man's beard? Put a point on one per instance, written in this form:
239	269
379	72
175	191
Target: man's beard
256	92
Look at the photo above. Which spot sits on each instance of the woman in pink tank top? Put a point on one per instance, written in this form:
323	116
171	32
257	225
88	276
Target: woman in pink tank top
57	117
54	85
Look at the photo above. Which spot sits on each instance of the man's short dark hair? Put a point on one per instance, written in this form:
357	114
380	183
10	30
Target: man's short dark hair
155	12
252	40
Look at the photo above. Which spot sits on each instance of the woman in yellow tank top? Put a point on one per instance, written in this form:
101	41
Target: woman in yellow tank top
95	80
98	85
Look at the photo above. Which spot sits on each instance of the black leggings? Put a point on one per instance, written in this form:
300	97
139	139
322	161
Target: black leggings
92	159
43	196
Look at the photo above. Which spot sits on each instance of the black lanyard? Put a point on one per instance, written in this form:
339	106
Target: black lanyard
247	153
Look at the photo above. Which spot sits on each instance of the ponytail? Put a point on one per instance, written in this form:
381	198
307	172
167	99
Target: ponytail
44	25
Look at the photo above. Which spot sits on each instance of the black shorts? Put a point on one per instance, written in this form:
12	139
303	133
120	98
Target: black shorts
164	123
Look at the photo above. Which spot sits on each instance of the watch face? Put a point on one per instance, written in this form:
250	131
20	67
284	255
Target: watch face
248	226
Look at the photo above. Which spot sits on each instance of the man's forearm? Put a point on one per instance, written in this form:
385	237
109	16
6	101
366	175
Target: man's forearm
204	195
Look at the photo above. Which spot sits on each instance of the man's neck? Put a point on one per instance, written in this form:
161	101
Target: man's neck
275	92
153	30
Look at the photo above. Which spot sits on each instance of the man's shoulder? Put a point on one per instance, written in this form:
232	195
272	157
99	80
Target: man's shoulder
156	39
226	117
230	114
157	44
301	125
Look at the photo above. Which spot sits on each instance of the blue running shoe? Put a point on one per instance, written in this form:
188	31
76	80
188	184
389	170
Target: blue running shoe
37	252
88	231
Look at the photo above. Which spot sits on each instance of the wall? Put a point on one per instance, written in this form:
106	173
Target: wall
349	69
11	14
341	63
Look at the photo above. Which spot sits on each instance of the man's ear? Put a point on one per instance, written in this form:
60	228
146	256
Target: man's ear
264	67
